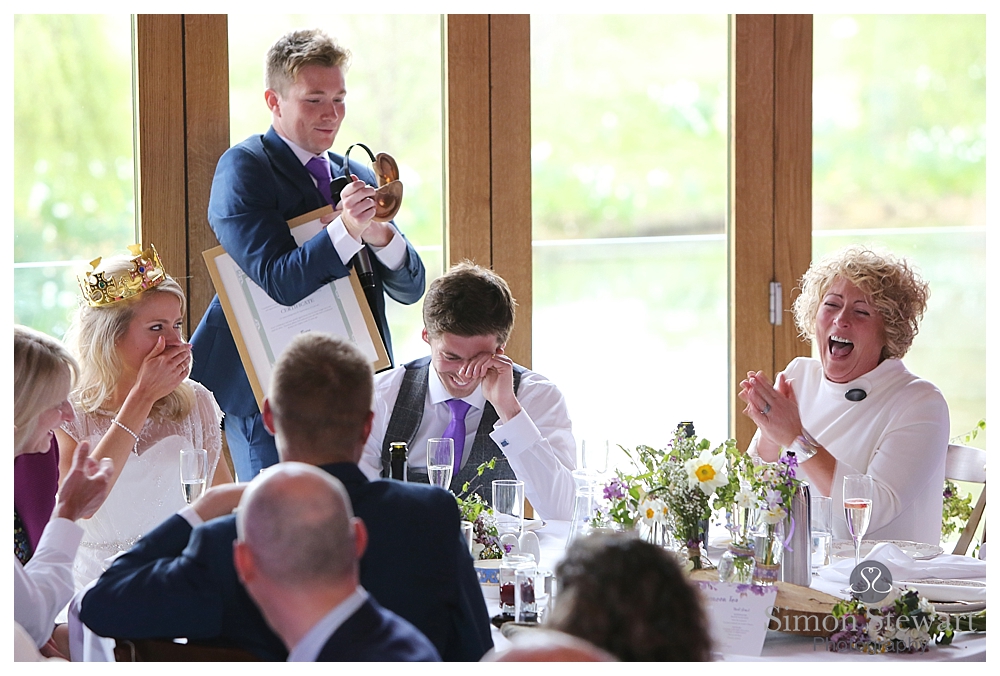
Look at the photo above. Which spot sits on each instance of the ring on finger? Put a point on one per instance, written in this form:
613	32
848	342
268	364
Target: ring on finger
766	409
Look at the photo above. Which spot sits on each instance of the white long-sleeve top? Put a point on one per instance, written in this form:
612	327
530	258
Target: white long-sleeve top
538	442
44	586
898	434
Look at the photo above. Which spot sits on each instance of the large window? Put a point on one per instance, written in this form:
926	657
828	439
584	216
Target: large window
629	143
900	163
74	198
393	106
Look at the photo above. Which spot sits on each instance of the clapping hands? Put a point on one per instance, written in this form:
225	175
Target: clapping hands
775	411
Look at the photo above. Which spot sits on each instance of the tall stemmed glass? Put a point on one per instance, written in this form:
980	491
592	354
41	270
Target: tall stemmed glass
858	489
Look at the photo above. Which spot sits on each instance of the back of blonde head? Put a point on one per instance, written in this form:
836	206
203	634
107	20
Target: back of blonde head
39	360
93	337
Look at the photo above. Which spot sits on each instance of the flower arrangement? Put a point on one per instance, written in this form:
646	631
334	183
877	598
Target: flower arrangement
671	488
902	622
473	508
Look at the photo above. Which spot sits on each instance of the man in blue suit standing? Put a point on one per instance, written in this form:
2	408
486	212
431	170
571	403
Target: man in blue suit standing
265	181
179	579
297	556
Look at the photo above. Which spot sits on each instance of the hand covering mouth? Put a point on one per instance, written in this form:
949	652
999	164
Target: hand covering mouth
840	347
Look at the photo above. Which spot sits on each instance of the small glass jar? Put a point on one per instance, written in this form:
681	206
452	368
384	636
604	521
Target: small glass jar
737	564
508	582
768	543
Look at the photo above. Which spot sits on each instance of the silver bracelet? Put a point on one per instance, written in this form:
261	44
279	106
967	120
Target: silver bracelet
804	446
135	447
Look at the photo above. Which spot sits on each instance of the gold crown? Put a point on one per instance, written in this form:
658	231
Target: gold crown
105	288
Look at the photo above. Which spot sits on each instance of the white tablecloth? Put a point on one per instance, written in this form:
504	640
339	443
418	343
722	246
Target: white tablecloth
777	646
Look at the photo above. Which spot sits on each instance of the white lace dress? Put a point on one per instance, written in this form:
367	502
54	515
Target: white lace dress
148	489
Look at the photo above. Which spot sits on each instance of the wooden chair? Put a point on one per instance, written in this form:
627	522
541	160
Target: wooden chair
156	650
965	463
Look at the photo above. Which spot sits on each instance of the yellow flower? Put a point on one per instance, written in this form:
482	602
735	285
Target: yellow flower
705	473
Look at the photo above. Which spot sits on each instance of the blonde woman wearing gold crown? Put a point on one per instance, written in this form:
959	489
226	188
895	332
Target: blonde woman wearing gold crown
134	403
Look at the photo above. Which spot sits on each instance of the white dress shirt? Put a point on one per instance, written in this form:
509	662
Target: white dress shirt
392	255
307	649
538	442
45	585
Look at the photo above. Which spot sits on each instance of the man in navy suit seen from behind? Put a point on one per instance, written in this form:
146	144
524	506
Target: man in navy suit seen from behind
179	579
296	553
271	178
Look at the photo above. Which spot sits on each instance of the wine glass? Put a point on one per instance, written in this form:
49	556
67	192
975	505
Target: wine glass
858	489
440	461
194	473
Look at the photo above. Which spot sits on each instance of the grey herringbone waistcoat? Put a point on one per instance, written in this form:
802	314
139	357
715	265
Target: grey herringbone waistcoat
405	421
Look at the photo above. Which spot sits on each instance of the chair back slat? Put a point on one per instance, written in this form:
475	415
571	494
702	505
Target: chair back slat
965	463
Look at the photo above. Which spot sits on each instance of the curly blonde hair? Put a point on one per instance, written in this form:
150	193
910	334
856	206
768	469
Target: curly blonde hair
894	288
93	339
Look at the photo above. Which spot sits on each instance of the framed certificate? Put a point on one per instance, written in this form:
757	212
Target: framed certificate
262	327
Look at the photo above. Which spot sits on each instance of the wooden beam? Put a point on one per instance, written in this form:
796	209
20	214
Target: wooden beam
751	205
467	139
161	184
206	74
793	172
510	163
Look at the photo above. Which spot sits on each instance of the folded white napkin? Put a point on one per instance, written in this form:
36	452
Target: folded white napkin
959	590
903	567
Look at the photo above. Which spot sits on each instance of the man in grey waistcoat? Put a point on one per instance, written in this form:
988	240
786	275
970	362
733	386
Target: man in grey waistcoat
470	391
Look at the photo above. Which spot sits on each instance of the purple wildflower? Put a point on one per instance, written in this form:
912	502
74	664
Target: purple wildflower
614	490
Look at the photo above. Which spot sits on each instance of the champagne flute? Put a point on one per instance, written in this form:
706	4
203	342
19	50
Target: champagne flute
194	473
440	461
858	489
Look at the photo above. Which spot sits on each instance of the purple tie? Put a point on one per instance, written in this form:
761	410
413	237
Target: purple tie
319	167
456	428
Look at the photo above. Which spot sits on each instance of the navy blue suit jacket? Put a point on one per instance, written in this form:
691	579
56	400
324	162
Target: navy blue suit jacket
374	634
259	186
177	582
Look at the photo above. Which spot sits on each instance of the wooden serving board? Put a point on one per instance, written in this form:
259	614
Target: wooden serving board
798	610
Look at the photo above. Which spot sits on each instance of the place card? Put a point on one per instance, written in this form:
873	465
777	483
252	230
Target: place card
738	615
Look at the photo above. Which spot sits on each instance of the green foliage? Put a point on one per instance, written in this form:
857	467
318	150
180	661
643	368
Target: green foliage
900	119
474	509
73	170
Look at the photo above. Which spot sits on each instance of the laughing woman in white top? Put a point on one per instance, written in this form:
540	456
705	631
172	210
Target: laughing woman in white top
857	410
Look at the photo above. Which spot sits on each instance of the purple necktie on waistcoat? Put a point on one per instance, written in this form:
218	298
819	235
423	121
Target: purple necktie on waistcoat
456	428
319	167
